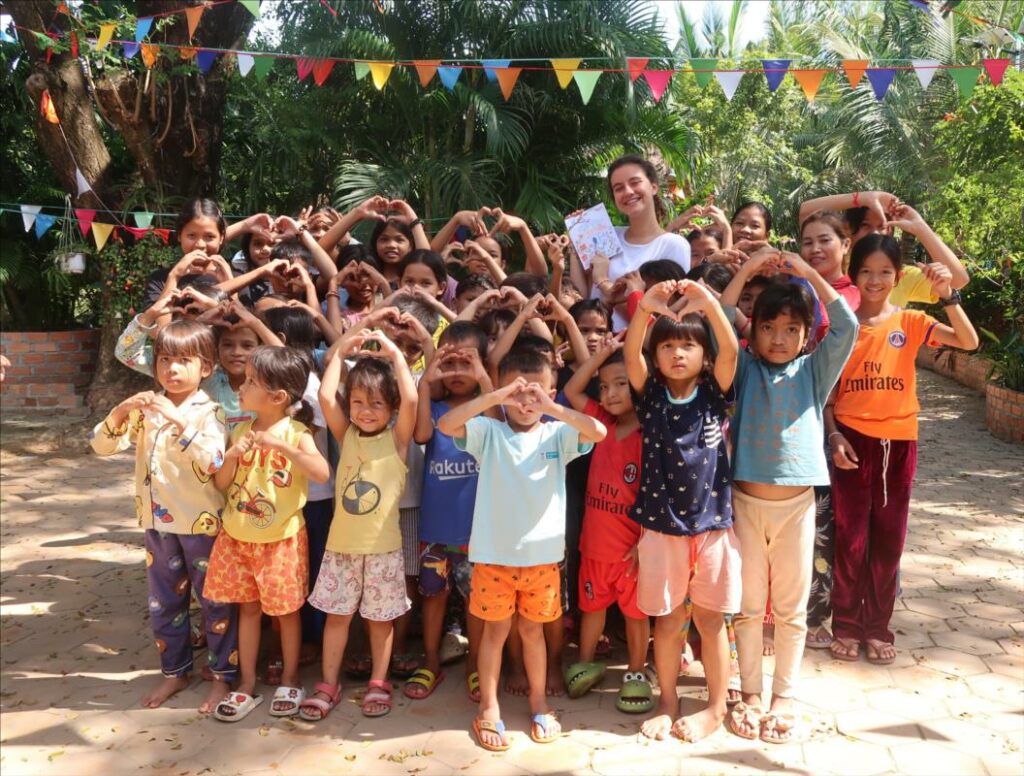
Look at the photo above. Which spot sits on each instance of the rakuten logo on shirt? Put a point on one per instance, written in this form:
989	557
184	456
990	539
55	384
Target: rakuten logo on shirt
453	470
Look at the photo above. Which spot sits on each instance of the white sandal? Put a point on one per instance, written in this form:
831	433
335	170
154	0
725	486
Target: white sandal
236	706
291	695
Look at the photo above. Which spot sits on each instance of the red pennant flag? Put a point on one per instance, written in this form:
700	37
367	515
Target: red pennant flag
658	81
74	45
163	234
425	69
304	67
995	69
636	67
85	219
136	232
321	69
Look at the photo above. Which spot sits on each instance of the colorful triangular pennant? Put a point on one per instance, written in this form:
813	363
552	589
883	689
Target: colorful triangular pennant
321	70
425	69
491	67
81	182
507	77
263	66
966	78
47	109
449	75
703	70
252	6
564	70
854	69
925	70
150	52
143	218
28	215
810	81
106	33
142	28
881	79
774	72
205	60
304	66
380	72
586	80
129	49
192	17
85	218
43	223
636	66
995	69
362	70
245	63
658	81
137	232
101	233
187	52
729	80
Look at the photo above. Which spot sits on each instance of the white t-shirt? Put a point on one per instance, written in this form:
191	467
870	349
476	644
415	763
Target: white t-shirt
665	246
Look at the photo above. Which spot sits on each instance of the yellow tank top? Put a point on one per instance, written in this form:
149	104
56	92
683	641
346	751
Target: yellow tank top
369	484
265	499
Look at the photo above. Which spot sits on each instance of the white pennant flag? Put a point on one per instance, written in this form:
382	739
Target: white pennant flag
245	63
925	70
81	182
28	215
729	81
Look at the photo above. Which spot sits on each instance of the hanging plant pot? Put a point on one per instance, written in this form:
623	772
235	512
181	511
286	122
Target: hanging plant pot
72	263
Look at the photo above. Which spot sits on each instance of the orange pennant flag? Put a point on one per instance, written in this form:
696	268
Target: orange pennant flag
507	77
380	72
810	81
102	233
425	69
192	16
564	70
47	109
187	52
855	70
150	51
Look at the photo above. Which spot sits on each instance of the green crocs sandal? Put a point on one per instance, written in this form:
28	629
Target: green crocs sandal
636	695
581	678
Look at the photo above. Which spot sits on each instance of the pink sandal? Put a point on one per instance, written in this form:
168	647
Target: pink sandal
378	693
315	709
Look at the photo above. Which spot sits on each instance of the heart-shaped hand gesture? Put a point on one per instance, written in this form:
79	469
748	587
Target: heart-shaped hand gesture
374	209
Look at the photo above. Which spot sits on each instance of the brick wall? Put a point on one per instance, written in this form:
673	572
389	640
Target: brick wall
968	369
49	370
1004	413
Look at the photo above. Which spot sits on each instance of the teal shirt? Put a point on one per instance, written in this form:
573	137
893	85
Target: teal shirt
519	512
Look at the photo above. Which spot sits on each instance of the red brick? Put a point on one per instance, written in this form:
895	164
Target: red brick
10	348
69	346
61	336
48	401
30	402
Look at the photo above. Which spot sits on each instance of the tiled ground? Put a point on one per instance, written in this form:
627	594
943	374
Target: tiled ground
76	652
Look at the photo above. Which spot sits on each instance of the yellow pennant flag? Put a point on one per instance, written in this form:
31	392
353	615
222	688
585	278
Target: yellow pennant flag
507	77
855	70
564	70
380	72
101	232
810	81
150	51
192	16
106	33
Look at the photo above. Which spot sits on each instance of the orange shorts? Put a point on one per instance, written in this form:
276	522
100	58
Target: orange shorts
274	573
497	592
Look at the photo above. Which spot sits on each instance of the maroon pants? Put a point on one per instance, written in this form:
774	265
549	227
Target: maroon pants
871	507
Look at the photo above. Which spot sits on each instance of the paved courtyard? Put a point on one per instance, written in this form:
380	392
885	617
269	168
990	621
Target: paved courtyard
76	652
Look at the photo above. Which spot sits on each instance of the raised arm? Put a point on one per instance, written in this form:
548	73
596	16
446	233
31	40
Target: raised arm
576	389
304	456
910	221
701	300
590	429
877	203
655	301
960	332
453	423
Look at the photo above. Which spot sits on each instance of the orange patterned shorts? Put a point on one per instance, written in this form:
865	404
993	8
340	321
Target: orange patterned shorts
274	573
499	591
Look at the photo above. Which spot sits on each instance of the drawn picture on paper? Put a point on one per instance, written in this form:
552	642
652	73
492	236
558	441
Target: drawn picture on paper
591	232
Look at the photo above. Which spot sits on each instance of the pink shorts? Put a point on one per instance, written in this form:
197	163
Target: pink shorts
705	567
604	583
374	584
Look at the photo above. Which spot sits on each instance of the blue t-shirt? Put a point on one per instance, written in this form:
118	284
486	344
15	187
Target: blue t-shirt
777	428
449	487
519	513
685	489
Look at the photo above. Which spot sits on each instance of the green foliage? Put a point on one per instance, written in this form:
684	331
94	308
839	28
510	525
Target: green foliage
1007	356
126	269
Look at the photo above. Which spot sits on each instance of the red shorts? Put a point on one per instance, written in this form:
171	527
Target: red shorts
603	584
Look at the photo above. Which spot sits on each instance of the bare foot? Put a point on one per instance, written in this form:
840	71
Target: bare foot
694	727
768	635
733	696
218	692
516	682
777	726
168	687
555	684
657	727
881	653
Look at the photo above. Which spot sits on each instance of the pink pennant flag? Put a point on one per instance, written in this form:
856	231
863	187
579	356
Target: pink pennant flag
658	81
85	218
995	69
636	67
304	67
137	232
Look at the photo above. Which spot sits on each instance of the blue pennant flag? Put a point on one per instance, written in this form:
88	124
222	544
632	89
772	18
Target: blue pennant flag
449	75
205	60
142	27
881	80
491	66
774	72
129	49
43	223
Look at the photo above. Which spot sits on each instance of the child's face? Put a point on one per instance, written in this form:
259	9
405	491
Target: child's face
234	348
180	376
462	301
781	339
260	248
392	246
569	296
421	276
614	386
359	287
876	278
523	419
701	248
748	296
492	339
749	224
253	396
492	247
405	341
593	326
679	360
368	411
201	234
823	249
460	383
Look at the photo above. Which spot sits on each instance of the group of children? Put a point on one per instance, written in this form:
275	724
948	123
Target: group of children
703	429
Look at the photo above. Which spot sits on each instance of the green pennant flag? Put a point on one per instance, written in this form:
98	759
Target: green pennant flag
586	80
966	78
362	70
706	65
262	66
252	6
143	218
